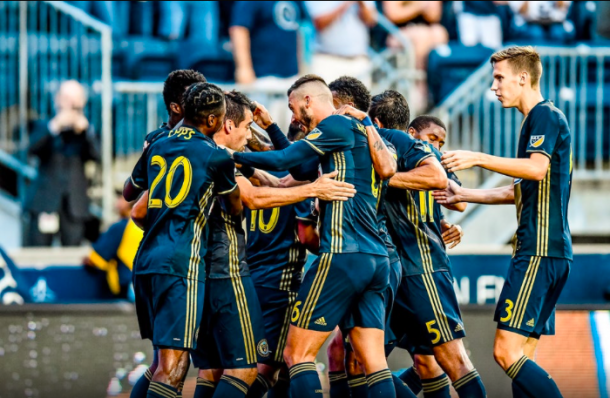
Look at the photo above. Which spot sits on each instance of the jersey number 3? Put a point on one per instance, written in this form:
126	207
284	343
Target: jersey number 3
170	202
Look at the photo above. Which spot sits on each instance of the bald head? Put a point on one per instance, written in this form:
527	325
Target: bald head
71	95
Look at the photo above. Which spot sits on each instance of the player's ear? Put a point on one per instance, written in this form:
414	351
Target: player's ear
523	78
411	131
228	125
175	108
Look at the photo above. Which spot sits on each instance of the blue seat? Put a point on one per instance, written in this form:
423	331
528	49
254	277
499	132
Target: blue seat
146	58
450	65
215	62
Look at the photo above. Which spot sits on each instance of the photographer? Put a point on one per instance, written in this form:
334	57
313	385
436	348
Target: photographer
58	202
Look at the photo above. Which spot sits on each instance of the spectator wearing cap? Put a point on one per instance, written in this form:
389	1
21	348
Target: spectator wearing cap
342	38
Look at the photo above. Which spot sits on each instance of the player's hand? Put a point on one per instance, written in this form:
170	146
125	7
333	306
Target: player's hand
330	190
351	111
449	195
460	160
452	236
245	75
289	181
262	116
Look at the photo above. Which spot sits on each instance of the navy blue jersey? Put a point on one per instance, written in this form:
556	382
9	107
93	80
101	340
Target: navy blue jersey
430	211
381	214
158	133
341	144
542	206
182	170
421	250
275	255
226	256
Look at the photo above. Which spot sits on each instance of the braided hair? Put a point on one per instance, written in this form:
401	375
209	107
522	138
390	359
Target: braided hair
201	100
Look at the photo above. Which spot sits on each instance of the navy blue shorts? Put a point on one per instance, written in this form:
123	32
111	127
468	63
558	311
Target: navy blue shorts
531	290
277	306
340	284
232	334
169	309
426	312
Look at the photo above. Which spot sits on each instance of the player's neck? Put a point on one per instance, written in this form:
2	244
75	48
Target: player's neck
529	100
324	112
173	120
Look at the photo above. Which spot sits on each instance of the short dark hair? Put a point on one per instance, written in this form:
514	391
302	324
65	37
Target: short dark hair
203	99
392	109
177	82
350	89
304	80
424	121
236	104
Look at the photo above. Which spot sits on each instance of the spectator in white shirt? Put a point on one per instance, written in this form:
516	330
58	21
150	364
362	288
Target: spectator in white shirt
542	21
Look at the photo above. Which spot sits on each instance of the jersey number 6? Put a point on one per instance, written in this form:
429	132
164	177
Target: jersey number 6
184	189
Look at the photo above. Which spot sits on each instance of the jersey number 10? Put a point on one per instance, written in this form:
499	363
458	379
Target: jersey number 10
170	202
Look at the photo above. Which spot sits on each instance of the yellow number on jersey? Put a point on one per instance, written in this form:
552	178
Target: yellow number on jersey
435	332
184	188
267	227
509	311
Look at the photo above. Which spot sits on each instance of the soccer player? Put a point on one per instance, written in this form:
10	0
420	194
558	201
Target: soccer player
352	269
541	187
232	339
351	95
173	89
184	171
425	309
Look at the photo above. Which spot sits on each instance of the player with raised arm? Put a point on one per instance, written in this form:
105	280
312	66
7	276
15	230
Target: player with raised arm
542	175
184	171
173	90
352	269
425	309
232	340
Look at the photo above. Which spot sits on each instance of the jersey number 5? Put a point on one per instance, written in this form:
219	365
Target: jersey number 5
170	202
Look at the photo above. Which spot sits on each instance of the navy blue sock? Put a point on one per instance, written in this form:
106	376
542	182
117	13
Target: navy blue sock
518	392
470	386
259	388
381	384
231	387
281	389
438	387
358	387
532	379
338	384
411	378
204	388
304	381
402	389
140	389
160	390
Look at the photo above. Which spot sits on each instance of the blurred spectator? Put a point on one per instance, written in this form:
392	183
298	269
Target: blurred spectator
419	21
479	23
200	17
105	11
264	38
13	287
58	199
542	21
115	251
342	38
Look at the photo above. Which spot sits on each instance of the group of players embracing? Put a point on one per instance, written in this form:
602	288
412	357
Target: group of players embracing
358	184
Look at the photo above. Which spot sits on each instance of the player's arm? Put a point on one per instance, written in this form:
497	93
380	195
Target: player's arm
242	21
455	194
309	235
285	159
533	168
383	159
264	120
138	181
325	188
426	176
139	211
451	234
222	169
460	207
258	143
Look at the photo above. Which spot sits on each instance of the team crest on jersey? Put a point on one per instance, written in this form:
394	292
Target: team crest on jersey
315	133
536	140
263	348
427	149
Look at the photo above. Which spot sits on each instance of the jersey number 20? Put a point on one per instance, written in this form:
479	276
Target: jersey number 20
170	202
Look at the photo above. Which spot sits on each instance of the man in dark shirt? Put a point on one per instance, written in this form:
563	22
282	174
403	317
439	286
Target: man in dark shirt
58	201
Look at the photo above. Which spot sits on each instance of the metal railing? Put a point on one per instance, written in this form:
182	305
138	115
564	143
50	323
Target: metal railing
573	78
43	43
